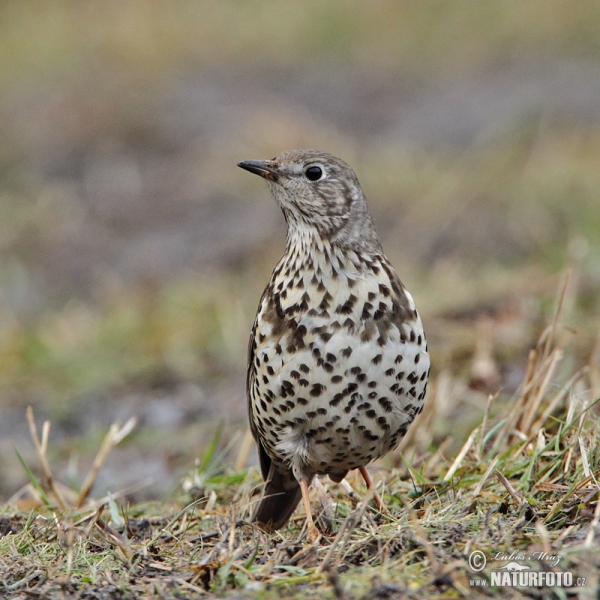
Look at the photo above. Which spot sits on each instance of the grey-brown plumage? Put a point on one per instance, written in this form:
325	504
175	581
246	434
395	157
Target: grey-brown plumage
338	363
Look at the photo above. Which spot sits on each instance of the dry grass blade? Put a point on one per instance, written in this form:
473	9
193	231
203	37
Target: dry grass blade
461	455
41	448
510	489
114	435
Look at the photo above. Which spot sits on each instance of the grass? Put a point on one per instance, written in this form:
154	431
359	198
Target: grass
478	233
524	482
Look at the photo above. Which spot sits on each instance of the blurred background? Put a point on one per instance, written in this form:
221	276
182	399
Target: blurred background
133	251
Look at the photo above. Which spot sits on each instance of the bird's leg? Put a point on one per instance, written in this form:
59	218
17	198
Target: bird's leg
369	482
312	531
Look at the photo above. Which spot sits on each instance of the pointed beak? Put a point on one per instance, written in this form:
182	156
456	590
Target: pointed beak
264	168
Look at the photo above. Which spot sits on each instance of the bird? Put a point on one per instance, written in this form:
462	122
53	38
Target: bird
338	363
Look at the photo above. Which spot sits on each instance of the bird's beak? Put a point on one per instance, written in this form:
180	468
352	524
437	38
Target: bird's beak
264	168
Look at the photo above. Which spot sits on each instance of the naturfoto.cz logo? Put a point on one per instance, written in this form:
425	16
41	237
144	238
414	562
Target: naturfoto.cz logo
515	574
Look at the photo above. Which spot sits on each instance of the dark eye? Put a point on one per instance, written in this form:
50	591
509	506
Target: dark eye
314	173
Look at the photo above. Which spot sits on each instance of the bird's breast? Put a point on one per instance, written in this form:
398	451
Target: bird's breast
341	367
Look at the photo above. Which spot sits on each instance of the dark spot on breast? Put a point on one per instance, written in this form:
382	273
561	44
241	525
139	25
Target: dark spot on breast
366	311
304	368
294	374
390	372
336	399
302	382
347	307
302	401
330	357
385	404
327	298
384	290
417	359
377	359
336	379
270	370
288	387
346	352
382	422
317	389
298	336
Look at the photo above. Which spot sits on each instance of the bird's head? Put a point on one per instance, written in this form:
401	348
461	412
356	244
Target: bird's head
318	191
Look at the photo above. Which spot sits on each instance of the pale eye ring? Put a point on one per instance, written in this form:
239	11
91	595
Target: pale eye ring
314	173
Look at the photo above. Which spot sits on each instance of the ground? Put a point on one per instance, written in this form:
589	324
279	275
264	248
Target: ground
133	254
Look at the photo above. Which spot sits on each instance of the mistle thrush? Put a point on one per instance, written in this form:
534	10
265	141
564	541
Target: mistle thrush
337	362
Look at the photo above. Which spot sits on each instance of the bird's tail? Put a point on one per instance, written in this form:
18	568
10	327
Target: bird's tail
280	497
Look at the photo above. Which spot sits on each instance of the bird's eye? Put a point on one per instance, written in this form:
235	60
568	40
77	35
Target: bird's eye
314	173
